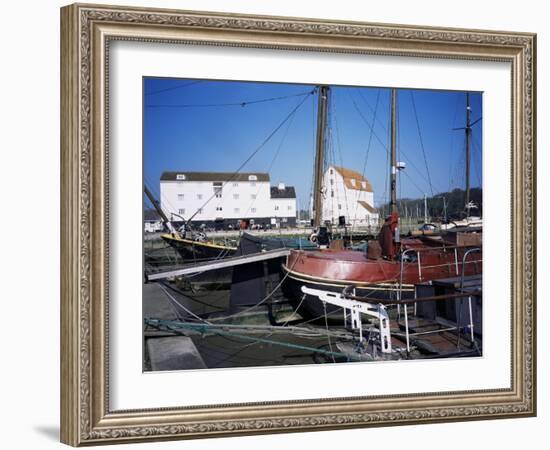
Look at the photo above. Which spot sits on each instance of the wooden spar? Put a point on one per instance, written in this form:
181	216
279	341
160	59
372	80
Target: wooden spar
219	264
320	155
393	169
155	203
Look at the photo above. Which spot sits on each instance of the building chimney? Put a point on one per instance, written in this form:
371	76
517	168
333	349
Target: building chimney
281	186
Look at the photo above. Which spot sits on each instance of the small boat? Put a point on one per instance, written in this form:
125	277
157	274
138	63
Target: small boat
193	247
193	250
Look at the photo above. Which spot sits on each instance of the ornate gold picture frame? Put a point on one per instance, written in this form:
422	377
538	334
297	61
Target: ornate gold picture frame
87	31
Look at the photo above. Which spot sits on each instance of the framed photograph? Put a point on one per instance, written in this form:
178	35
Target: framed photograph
277	224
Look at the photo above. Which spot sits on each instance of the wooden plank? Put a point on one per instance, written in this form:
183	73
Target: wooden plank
219	264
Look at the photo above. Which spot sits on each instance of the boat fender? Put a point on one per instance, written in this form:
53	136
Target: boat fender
313	237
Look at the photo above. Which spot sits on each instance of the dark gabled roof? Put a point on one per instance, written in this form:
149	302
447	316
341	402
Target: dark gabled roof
287	192
213	176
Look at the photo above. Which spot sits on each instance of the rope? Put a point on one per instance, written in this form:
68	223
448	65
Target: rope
326	327
179	291
203	328
267	297
295	310
181	306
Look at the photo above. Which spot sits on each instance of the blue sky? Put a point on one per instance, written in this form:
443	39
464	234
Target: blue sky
201	125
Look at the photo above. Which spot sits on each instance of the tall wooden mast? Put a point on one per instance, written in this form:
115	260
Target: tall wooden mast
468	130
322	111
393	168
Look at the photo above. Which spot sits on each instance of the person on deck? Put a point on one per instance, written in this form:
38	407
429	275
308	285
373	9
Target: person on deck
386	236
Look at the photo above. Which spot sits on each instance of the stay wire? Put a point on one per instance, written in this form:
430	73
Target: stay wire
421	142
241	104
265	141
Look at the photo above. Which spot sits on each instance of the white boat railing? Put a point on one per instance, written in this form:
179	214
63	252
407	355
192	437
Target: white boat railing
463	272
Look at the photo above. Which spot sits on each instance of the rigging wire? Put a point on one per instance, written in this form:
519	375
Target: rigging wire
452	143
385	146
373	110
280	146
264	142
173	87
477	168
421	142
369	143
338	144
241	104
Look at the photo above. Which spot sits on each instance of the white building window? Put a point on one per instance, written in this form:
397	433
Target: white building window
331	171
236	196
218	208
181	211
237	210
199	196
235	184
339	206
180	176
289	207
276	207
253	196
199	211
253	210
181	196
253	184
331	181
332	193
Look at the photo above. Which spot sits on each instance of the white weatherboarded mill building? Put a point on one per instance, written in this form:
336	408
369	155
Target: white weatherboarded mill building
348	193
214	198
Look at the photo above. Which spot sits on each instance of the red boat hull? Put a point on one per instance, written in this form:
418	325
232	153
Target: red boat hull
333	270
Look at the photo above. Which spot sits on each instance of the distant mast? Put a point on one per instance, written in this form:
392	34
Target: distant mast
468	131
320	154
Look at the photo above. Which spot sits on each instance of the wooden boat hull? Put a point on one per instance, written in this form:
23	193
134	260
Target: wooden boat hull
312	308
